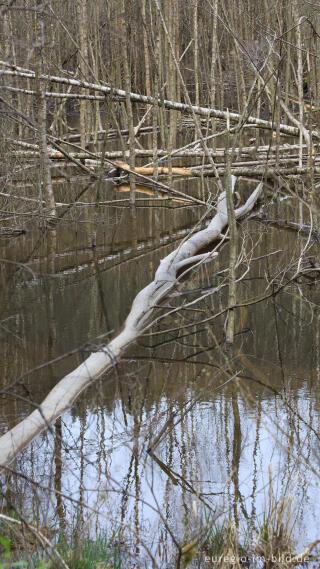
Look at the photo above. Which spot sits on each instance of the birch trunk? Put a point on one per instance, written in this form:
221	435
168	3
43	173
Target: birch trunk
298	23
120	94
69	388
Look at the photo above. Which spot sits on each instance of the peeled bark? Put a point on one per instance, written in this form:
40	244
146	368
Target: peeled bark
179	171
69	388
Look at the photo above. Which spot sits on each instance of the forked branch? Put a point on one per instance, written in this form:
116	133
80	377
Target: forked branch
69	388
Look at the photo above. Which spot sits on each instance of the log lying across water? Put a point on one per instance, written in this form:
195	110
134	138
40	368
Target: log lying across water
149	171
119	94
147	300
285	149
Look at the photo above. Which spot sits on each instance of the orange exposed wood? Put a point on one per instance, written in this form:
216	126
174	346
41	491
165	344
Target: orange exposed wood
161	170
306	106
149	192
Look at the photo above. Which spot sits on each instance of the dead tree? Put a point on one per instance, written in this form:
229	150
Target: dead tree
139	319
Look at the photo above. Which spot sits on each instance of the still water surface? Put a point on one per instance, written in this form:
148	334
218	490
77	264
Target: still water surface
225	449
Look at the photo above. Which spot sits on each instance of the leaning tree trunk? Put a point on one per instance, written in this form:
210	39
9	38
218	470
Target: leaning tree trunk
69	388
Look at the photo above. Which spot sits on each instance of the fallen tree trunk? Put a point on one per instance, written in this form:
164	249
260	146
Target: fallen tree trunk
180	171
176	153
255	171
120	94
147	300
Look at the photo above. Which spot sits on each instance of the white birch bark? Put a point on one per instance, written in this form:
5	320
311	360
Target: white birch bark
136	97
69	388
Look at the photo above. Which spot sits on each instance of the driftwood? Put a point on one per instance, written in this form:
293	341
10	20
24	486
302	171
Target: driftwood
69	388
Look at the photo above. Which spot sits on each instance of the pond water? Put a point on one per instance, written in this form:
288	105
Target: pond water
234	433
